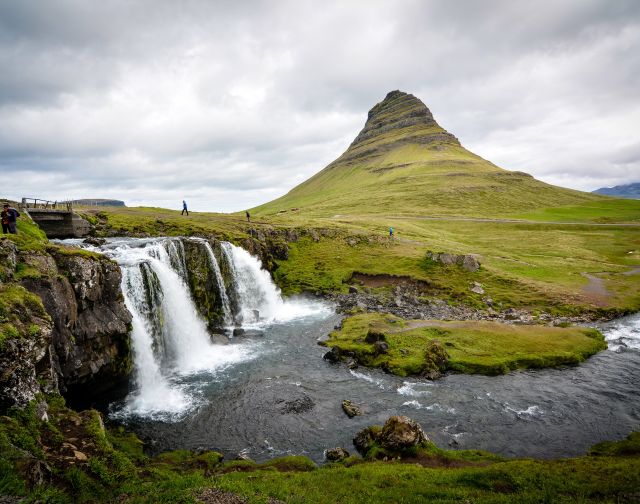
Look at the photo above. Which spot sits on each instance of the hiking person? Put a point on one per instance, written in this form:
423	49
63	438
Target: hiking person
391	233
184	208
248	216
9	216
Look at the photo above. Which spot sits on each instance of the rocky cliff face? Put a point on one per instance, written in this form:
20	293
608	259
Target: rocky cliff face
203	283
91	322
399	119
74	336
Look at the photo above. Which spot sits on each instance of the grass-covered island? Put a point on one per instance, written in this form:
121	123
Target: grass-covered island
431	347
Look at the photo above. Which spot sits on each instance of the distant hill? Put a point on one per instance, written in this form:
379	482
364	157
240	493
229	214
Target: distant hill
99	202
404	163
621	191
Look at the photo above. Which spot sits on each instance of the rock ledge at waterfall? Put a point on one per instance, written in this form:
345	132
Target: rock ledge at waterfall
79	341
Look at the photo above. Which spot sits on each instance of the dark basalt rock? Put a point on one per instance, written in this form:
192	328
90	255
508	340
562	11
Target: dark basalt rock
400	433
298	405
366	439
96	242
435	359
380	347
91	325
8	259
333	355
336	454
374	337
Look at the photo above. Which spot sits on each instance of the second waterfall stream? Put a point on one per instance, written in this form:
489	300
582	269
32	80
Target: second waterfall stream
176	309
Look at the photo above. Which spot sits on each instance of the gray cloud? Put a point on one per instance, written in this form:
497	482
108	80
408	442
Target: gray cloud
230	104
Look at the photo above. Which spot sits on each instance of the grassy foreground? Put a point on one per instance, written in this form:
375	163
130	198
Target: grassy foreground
470	346
73	458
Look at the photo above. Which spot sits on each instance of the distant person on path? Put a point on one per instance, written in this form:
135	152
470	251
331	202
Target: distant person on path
9	216
248	216
391	233
184	208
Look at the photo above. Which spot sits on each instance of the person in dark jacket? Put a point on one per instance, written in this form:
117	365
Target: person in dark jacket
184	208
9	216
248	216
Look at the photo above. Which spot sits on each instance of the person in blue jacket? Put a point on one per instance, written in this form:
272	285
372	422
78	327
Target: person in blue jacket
184	207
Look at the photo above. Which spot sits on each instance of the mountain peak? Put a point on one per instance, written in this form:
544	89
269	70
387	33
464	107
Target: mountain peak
400	118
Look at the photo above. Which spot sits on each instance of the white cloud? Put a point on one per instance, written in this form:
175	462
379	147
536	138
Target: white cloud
230	104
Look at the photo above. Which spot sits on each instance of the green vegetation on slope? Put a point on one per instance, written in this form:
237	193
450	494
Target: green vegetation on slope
472	347
535	266
404	163
21	312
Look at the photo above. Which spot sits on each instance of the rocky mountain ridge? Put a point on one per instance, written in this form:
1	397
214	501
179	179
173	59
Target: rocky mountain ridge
621	191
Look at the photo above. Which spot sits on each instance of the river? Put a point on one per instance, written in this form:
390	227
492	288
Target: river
269	393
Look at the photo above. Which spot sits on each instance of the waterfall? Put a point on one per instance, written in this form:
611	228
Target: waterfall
175	249
170	339
257	295
151	387
226	305
172	346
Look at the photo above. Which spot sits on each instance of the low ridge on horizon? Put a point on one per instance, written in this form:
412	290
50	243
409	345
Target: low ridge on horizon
404	163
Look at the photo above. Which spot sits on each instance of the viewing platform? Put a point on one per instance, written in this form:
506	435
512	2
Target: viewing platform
56	218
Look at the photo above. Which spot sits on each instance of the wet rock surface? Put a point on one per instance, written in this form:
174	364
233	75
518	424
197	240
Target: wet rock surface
399	433
84	343
296	405
410	301
351	409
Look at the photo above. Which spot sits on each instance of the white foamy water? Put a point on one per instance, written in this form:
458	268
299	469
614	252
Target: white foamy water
362	376
623	334
415	389
531	411
182	333
259	299
431	407
170	338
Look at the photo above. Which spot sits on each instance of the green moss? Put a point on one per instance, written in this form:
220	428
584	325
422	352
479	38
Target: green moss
21	313
627	447
29	237
472	347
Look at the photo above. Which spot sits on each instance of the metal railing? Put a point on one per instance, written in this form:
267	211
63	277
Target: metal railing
46	204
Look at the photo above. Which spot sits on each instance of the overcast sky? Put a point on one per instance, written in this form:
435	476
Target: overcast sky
229	104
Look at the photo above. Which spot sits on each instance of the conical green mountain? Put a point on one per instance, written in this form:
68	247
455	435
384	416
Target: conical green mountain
404	163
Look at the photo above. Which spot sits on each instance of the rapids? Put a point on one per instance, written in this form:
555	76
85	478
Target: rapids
268	392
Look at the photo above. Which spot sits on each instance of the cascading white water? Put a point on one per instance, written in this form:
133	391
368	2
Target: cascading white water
259	299
152	387
226	305
180	330
255	291
173	350
175	249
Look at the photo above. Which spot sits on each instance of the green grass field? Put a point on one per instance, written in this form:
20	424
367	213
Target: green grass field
473	347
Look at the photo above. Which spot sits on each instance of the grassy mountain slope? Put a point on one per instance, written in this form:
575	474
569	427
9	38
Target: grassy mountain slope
404	163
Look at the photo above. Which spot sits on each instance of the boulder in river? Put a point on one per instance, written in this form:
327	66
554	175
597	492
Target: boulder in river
351	409
333	355
400	433
336	454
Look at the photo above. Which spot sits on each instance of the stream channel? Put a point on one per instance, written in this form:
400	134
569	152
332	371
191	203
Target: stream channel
269	393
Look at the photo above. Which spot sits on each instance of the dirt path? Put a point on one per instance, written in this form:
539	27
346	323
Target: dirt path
512	221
